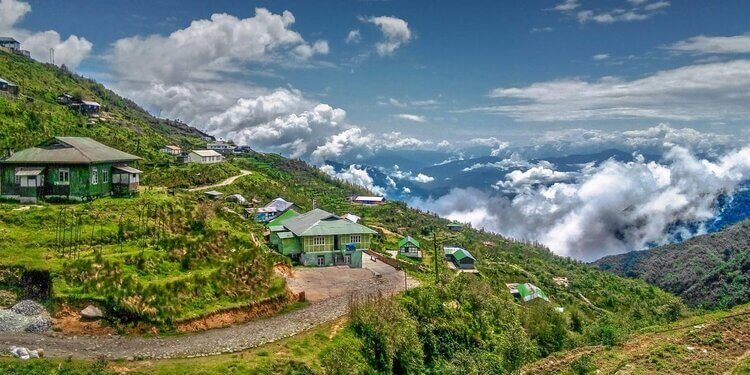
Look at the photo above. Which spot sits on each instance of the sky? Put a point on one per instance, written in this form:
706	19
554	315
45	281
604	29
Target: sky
667	81
430	70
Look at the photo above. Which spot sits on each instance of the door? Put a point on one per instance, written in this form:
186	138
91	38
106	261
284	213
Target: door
336	242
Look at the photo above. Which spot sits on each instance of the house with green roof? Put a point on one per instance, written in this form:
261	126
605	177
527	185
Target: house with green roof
320	238
409	246
460	257
68	168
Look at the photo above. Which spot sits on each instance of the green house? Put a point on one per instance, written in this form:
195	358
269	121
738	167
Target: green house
320	238
409	246
460	257
68	168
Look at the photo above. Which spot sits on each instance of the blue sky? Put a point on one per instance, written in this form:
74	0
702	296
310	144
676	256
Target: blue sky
436	85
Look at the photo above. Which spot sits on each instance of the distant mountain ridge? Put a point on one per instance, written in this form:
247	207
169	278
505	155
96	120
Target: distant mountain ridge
708	271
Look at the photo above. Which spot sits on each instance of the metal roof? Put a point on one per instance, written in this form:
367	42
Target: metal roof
205	153
457	252
322	223
279	204
352	217
406	240
276	228
284	235
70	150
7	39
279	220
373	199
87	102
213	193
29	171
127	169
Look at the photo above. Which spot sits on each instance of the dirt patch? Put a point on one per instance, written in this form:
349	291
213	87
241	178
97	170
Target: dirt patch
284	270
68	322
239	315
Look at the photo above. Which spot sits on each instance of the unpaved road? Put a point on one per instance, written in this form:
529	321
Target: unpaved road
226	182
224	340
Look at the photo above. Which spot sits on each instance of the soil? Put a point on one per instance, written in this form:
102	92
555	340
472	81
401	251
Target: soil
230	317
68	321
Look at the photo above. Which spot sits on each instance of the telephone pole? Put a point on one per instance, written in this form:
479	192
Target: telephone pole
434	244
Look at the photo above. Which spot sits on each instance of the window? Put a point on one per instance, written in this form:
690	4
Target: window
348	259
355	238
135	177
319	240
321	260
63	176
94	176
31	181
18	178
105	176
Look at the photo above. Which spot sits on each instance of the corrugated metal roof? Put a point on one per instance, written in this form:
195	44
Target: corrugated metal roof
276	228
29	171
322	223
279	204
127	169
87	102
366	198
204	153
283	217
406	240
70	150
7	39
284	235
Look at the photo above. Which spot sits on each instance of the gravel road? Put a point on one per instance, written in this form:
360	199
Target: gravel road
224	340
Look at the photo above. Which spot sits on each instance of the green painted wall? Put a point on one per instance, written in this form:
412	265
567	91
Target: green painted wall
79	186
311	259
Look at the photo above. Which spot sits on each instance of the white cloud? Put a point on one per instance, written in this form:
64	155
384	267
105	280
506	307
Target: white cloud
356	175
356	138
410	117
495	144
353	37
426	103
567	5
638	10
223	43
715	91
611	208
423	178
713	45
395	31
543	174
601	56
71	51
546	29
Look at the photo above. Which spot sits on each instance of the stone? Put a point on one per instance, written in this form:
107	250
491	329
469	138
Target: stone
28	308
92	312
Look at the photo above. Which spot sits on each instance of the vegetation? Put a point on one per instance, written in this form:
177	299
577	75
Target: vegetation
709	271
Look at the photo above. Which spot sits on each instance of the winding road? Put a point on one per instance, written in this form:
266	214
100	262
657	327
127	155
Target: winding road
226	182
217	341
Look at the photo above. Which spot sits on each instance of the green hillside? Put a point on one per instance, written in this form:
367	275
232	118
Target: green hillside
35	116
709	271
156	259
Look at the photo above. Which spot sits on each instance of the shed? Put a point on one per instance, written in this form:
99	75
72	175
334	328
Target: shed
456	227
460	257
409	246
213	194
237	198
205	157
369	200
527	291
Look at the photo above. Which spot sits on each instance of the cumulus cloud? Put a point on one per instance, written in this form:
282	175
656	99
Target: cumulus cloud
356	138
354	174
423	178
495	144
353	37
70	51
395	31
601	56
608	209
714	91
410	117
223	43
543	174
713	45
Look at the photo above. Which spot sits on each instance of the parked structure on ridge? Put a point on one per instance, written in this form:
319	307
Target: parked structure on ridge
205	157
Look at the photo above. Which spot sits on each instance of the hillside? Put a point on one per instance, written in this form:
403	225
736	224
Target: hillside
157	260
708	271
35	116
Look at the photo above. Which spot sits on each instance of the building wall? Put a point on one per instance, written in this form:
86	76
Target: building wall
311	259
310	246
289	246
79	186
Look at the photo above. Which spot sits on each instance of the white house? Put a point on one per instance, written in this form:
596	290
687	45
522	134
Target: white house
221	147
171	150
205	157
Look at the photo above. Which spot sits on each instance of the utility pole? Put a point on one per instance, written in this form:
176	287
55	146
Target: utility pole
434	244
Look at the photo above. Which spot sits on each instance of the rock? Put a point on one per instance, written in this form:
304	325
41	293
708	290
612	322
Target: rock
92	312
39	324
20	352
28	308
40	352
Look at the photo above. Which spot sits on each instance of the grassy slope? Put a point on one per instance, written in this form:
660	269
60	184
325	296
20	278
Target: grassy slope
715	343
35	116
709	271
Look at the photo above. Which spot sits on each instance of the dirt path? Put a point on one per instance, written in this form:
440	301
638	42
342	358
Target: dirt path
226	182
224	340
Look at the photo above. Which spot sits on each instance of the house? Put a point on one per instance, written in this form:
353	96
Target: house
172	150
205	157
366	200
8	87
272	210
88	107
10	44
460	257
70	168
409	246
221	147
65	99
456	227
236	198
320	238
526	291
